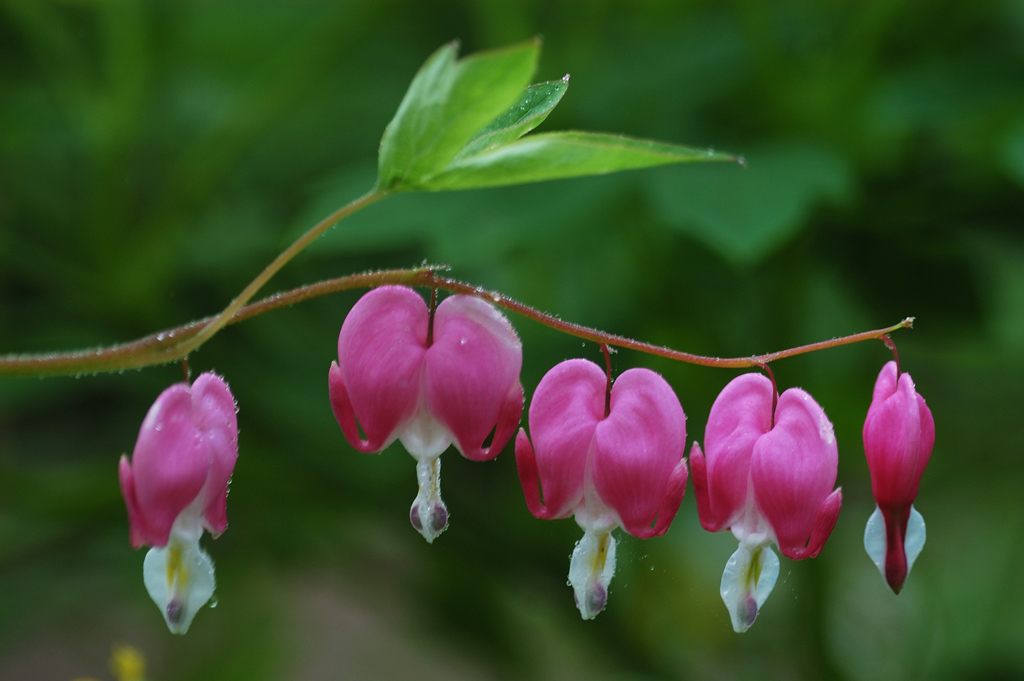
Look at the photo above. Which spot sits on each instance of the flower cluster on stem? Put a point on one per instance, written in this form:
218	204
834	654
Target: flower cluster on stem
608	452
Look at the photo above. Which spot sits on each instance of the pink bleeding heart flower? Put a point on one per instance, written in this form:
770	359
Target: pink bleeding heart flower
612	456
175	486
899	434
428	380
767	475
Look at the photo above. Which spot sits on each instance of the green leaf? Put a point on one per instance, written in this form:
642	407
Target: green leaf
527	113
550	156
460	123
446	105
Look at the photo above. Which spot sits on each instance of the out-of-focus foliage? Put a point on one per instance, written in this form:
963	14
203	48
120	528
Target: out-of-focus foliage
155	155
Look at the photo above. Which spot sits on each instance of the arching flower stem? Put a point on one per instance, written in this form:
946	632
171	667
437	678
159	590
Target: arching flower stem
174	344
225	317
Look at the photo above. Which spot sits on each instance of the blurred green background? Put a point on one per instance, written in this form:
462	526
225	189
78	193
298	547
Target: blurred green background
155	155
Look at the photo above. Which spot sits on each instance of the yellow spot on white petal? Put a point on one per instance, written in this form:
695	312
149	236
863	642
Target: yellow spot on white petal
601	555
176	570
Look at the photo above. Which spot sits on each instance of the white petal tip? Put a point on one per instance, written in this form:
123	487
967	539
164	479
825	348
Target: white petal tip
180	580
428	514
591	569
875	540
748	578
914	541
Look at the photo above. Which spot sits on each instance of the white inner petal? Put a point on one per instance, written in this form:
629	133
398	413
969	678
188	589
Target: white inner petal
593	515
874	540
750	527
748	578
590	571
423	437
914	541
179	578
428	514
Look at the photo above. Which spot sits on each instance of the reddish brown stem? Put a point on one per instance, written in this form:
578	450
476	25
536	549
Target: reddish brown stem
173	344
889	343
587	333
608	383
430	320
775	390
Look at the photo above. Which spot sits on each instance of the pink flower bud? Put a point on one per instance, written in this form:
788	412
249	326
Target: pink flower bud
175	486
396	378
899	433
768	476
611	460
183	459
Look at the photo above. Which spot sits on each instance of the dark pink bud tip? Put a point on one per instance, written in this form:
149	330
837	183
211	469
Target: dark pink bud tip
896	571
896	568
